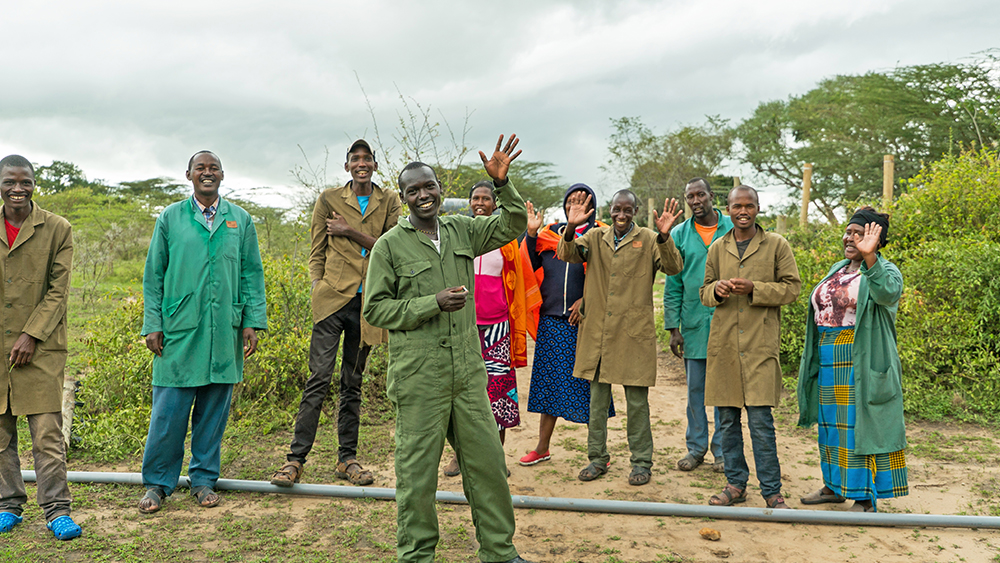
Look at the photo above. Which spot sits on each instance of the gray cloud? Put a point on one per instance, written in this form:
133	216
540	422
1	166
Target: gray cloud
130	90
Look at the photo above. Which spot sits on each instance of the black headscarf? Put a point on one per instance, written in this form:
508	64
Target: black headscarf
864	216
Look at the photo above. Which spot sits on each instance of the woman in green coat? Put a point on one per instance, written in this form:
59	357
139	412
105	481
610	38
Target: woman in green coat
849	379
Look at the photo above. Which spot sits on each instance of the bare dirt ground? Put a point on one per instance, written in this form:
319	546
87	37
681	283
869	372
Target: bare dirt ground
947	479
953	469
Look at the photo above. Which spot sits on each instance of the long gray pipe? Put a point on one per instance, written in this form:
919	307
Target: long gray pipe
582	505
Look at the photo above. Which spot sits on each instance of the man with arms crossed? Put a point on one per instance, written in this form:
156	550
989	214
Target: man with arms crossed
346	222
688	320
419	280
35	261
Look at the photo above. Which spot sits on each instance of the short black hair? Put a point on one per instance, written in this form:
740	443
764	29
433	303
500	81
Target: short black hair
191	160
628	192
483	184
743	187
413	166
16	161
697	179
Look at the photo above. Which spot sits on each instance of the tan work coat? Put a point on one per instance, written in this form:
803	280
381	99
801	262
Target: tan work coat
34	289
617	330
743	345
336	261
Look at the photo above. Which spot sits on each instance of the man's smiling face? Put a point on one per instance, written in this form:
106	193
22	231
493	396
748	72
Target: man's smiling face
361	165
206	175
421	192
16	186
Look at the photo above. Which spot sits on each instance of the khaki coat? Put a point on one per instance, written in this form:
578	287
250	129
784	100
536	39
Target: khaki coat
743	368
34	288
617	331
336	263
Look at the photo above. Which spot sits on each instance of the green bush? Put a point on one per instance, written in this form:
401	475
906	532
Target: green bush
116	392
945	238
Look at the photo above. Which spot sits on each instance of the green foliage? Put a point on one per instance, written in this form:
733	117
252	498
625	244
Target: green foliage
847	123
61	176
116	392
660	165
944	238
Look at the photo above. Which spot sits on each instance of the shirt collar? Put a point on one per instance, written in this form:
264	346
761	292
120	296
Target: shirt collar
202	208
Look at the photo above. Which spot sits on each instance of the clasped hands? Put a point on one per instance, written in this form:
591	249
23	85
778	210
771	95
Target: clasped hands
734	286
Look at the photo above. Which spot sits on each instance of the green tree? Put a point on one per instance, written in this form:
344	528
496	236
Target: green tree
61	176
846	124
659	166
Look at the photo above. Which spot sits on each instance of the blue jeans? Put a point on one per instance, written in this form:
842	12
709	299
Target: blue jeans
208	408
765	449
697	421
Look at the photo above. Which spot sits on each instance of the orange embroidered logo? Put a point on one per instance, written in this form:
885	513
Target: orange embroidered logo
637	244
231	224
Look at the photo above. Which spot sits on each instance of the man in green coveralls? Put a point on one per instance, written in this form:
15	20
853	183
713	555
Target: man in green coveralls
419	281
203	290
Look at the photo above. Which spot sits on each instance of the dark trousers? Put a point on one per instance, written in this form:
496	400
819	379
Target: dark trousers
322	361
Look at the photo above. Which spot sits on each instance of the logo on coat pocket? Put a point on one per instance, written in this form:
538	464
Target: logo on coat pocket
231	224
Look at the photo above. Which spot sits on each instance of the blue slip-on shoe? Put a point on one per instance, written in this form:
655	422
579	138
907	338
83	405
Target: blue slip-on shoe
7	521
64	528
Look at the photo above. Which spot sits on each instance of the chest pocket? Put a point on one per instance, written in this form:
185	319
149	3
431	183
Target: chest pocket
465	264
230	240
631	261
411	276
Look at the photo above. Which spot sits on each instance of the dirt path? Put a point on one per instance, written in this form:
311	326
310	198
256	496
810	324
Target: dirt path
953	469
945	481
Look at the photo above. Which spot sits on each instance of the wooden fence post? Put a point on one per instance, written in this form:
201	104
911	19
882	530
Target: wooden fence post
888	171
807	177
649	214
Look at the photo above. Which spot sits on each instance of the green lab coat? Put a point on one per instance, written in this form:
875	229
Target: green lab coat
878	387
201	288
682	306
436	378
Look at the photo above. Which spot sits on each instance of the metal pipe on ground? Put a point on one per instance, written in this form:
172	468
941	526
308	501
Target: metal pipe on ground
837	517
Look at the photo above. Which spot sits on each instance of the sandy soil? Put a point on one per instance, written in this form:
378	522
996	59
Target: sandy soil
953	469
937	486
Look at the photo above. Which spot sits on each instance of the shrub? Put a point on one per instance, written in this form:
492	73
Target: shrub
116	392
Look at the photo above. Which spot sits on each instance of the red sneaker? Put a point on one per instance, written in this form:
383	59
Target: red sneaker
533	457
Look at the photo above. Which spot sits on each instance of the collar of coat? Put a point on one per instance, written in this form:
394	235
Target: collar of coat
729	243
351	199
222	208
35	218
609	237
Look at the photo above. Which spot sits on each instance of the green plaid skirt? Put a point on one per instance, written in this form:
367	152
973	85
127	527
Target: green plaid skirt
857	477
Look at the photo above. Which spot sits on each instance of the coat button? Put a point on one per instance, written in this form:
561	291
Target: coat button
741	266
412	272
741	331
741	310
8	332
7	305
611	293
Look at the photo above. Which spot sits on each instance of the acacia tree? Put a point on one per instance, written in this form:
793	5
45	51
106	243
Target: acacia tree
846	124
661	165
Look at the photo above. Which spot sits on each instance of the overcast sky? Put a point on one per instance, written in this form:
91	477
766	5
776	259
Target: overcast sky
129	90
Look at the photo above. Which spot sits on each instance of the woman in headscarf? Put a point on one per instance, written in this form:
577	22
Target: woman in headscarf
849	379
506	296
554	392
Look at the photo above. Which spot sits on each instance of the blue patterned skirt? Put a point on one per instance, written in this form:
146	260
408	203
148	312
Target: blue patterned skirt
857	477
554	390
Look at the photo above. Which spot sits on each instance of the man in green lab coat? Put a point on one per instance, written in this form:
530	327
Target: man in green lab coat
203	288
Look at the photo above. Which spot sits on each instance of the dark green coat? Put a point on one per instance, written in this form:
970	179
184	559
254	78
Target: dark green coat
878	388
201	289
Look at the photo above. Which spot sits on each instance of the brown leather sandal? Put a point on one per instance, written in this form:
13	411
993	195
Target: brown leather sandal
776	501
352	471
728	497
288	475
